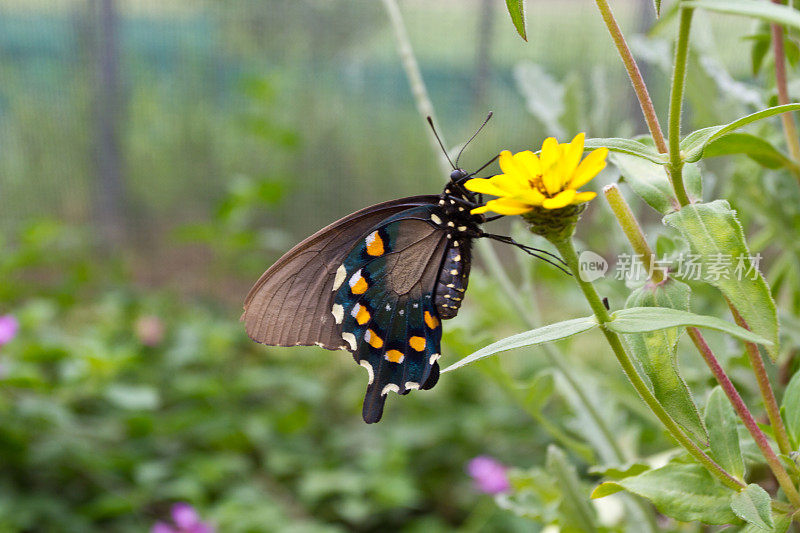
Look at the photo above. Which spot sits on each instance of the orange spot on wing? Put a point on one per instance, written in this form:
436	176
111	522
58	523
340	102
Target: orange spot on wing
374	244
360	286
362	316
372	338
431	320
395	356
418	343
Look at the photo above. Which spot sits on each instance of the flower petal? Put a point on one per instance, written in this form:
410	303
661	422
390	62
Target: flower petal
509	184
530	197
550	153
510	167
583	197
553	180
505	206
562	199
485	186
572	155
589	168
529	162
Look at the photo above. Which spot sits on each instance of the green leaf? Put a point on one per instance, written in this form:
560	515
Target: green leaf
761	45
656	351
516	9
649	180
714	233
575	506
748	8
754	506
550	333
627	146
723	436
693	144
540	388
754	147
619	471
685	492
643	319
790	408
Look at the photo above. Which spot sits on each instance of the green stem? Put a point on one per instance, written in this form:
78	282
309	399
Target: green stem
490	256
635	75
633	231
676	104
568	254
747	417
764	386
418	90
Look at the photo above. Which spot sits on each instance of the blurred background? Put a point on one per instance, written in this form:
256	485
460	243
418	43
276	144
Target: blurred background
157	156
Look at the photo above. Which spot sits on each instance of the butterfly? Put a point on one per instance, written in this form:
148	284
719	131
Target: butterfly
377	283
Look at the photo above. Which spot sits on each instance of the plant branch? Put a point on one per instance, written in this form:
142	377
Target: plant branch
635	75
676	105
747	417
789	125
767	395
418	90
568	254
633	231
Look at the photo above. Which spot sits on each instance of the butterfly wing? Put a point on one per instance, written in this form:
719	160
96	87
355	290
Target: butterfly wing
291	303
384	303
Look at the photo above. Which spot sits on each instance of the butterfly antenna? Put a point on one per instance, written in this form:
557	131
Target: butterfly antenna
473	136
430	121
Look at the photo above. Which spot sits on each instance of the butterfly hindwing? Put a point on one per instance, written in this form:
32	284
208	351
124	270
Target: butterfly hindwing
384	304
291	303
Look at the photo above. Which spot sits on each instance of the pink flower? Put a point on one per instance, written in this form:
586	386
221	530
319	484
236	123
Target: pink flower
489	475
8	328
186	520
150	330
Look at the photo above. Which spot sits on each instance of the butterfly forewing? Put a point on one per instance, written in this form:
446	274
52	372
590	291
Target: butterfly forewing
291	303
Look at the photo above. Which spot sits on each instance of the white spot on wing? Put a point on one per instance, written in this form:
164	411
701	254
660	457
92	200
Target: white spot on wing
338	313
434	358
457	258
391	386
454	272
354	278
368	366
436	219
350	339
412	385
354	312
341	272
451	224
462	228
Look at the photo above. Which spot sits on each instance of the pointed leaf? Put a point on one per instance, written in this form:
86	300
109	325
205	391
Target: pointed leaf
748	8
790	408
627	146
694	143
516	8
656	351
715	236
550	333
756	148
754	506
643	319
685	492
575	506
723	436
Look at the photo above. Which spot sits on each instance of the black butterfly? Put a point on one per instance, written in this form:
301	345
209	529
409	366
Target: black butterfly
377	283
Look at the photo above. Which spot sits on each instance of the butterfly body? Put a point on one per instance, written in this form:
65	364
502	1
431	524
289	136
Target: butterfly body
376	283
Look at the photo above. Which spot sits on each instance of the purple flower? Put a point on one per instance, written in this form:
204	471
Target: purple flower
149	330
186	520
489	475
8	328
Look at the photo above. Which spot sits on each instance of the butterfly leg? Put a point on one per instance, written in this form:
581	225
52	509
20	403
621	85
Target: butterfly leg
530	250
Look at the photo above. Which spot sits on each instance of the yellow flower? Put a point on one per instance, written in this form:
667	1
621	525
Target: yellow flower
550	181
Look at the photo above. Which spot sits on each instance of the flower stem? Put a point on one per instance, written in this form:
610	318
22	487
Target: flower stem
767	395
744	413
633	231
634	74
789	126
676	104
418	90
568	254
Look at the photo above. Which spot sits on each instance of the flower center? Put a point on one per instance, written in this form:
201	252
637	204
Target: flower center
537	183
